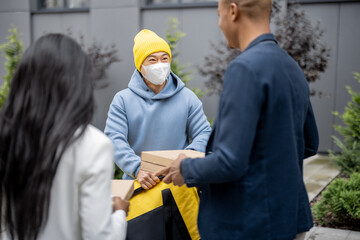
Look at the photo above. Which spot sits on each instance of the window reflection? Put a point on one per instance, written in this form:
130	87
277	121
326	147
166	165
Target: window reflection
149	2
53	4
197	1
50	4
162	1
78	3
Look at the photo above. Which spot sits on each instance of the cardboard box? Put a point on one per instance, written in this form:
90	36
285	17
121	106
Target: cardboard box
153	161
122	188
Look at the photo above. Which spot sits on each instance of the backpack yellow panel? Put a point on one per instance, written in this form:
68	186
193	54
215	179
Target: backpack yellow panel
187	201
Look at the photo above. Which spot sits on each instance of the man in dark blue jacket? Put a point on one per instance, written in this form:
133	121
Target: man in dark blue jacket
251	181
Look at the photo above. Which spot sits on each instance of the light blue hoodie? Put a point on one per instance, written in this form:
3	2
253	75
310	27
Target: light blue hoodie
138	120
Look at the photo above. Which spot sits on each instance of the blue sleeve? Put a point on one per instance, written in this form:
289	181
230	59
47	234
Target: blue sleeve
198	127
239	112
117	130
311	135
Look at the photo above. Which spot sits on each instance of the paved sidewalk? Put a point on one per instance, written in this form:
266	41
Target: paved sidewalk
319	170
318	173
320	233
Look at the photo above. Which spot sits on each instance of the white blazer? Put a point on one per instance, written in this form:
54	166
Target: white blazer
80	204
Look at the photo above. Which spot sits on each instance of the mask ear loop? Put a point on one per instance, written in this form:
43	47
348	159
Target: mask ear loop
140	73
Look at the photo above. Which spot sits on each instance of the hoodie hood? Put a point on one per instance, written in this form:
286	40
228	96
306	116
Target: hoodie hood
139	87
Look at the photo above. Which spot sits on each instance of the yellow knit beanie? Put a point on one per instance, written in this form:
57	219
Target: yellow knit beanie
147	42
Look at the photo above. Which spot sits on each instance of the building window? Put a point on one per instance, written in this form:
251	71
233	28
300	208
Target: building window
197	1
163	4
154	2
62	4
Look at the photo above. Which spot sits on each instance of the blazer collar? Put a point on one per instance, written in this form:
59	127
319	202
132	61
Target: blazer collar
262	38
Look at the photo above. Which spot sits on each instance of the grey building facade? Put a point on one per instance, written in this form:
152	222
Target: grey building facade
118	21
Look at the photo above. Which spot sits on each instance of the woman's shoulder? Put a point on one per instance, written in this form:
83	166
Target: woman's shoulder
93	150
90	154
96	136
92	130
92	140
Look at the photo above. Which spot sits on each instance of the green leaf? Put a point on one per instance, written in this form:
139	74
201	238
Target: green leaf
12	50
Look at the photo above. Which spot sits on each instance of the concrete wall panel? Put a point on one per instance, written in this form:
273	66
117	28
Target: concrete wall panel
14	6
114	26
77	23
324	104
157	20
349	52
196	45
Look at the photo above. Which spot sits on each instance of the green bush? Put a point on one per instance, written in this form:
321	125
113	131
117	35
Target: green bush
339	204
118	173
349	159
12	50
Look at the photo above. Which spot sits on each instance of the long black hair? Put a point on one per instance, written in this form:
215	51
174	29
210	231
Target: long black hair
51	97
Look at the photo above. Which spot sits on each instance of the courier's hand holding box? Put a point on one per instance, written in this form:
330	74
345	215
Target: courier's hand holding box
122	188
153	161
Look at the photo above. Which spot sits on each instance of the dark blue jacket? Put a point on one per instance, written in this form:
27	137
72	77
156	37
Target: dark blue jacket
252	181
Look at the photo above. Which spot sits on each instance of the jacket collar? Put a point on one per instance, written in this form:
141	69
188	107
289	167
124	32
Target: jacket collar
262	38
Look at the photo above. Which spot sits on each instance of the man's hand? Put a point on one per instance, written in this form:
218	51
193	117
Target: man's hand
120	204
172	173
147	180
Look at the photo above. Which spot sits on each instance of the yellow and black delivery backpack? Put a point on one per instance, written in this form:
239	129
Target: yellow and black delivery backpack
163	212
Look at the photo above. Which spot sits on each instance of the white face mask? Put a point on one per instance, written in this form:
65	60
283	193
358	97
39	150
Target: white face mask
157	73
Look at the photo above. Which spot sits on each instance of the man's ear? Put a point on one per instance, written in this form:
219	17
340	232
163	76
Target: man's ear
234	11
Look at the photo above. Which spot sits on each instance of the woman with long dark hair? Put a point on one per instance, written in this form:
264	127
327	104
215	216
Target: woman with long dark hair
55	168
